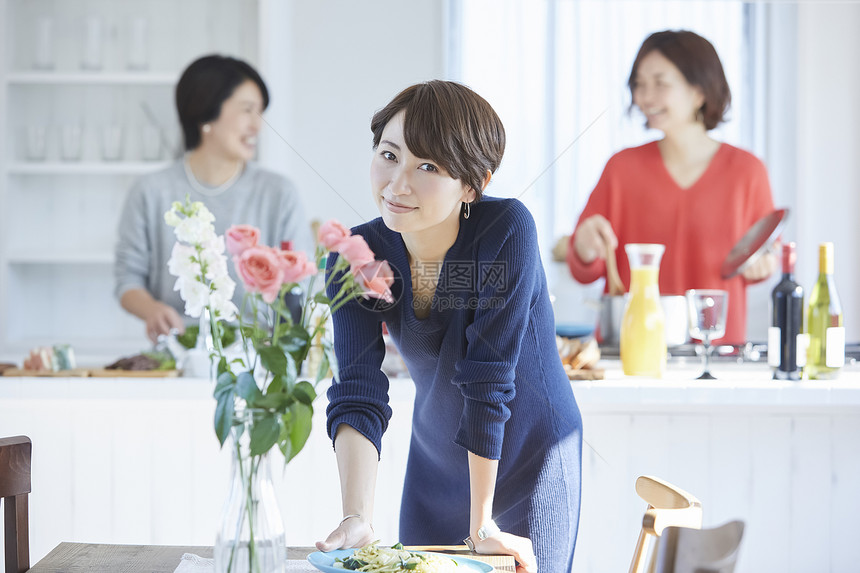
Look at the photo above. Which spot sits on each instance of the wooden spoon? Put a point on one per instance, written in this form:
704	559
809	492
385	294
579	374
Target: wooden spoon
616	287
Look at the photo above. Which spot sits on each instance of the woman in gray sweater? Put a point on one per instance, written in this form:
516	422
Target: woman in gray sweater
219	101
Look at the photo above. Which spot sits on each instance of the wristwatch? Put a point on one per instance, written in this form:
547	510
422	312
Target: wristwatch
489	529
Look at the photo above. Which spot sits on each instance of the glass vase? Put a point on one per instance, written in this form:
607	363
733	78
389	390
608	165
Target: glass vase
197	362
251	534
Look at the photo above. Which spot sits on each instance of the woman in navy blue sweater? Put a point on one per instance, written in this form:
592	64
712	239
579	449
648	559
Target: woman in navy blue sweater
495	452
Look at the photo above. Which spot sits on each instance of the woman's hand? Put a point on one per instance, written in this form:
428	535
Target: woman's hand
764	265
508	544
160	319
593	237
352	532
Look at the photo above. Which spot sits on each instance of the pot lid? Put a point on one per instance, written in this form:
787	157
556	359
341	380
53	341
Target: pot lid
754	242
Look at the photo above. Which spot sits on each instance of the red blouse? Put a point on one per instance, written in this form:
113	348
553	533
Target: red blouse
698	225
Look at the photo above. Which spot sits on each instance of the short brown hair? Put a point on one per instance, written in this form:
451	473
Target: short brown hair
698	61
204	86
450	124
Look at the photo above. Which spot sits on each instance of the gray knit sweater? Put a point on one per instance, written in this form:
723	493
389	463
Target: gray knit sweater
258	197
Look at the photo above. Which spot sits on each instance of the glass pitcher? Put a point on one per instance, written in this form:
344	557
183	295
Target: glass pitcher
643	340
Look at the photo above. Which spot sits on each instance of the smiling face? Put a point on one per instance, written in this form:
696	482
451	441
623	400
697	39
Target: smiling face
663	94
413	194
234	133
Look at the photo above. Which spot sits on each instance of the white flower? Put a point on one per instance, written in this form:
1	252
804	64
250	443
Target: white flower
195	294
181	263
224	286
223	305
215	243
194	231
172	218
199	211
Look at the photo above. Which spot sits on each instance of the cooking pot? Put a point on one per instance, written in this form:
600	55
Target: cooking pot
674	311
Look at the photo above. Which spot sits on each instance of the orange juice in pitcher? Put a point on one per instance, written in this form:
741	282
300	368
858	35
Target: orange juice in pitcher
643	341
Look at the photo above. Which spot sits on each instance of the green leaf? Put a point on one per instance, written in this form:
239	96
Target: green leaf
292	371
321	298
328	350
264	434
322	371
276	385
295	340
304	392
188	339
224	415
273	359
225	383
246	387
296	429
276	401
223	366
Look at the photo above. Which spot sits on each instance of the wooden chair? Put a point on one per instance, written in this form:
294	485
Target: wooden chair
15	456
683	550
668	505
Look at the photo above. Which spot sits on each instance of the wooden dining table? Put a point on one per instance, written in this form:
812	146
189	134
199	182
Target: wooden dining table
100	558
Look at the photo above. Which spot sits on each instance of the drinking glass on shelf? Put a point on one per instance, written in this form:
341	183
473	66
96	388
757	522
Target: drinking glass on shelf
138	45
93	44
37	142
71	137
150	143
111	142
44	54
706	313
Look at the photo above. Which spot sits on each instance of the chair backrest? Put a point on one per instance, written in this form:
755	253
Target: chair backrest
668	505
15	457
684	550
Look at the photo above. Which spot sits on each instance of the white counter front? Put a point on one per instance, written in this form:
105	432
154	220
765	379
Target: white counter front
136	461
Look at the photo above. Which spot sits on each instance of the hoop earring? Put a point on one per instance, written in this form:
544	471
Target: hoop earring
467	210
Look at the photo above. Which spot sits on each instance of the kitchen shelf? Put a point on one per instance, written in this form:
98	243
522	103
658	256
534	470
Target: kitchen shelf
92	78
36	258
85	168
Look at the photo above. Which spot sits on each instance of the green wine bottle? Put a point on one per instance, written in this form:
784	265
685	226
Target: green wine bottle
826	353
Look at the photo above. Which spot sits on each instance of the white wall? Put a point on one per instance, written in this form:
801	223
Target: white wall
828	147
341	61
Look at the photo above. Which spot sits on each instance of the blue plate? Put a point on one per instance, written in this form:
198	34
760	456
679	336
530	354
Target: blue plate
574	330
325	561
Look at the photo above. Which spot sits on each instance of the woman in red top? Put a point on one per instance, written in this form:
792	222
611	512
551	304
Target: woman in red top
687	191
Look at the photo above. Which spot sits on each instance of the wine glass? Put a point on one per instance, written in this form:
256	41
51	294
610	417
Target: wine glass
706	313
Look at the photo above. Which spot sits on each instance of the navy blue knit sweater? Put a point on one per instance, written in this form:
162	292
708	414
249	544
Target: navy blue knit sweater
488	380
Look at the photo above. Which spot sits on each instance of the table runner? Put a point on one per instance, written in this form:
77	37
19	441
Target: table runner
191	563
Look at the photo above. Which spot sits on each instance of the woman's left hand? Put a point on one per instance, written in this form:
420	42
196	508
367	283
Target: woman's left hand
763	266
508	544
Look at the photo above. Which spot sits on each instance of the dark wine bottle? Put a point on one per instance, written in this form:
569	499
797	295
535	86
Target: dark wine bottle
786	347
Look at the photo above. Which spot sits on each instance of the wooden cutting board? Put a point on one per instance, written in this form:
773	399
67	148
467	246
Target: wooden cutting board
105	373
502	563
75	373
94	372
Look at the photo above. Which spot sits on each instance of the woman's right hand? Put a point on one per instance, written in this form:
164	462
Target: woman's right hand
160	319
593	237
352	532
520	548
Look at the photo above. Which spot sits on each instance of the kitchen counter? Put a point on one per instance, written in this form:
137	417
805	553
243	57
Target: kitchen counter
779	455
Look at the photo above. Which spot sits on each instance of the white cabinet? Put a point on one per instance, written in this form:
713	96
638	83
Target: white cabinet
82	84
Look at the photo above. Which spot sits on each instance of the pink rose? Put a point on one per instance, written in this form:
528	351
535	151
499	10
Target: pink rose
355	250
376	279
296	266
261	270
241	237
331	233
